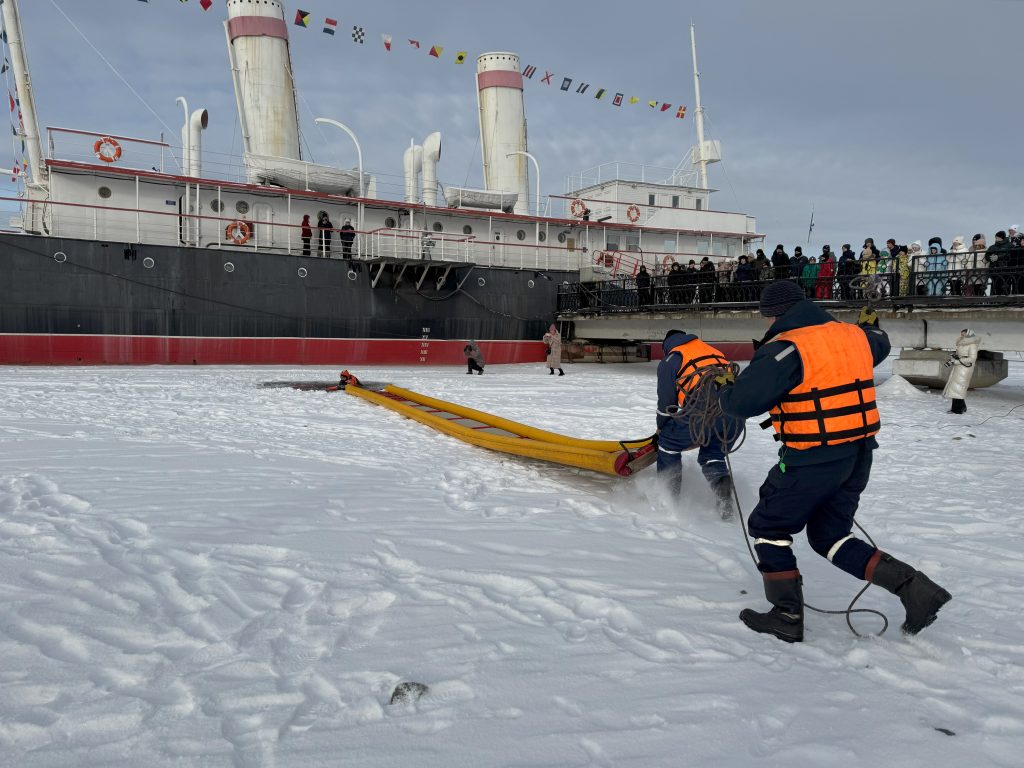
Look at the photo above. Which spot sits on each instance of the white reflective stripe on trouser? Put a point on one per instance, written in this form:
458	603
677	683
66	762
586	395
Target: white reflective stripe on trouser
671	453
837	545
774	542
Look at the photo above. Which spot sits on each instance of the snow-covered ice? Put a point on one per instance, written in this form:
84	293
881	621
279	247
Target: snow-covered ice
198	571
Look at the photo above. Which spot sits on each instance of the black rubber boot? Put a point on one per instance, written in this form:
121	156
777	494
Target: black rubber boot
551	371
921	597
722	487
561	372
786	619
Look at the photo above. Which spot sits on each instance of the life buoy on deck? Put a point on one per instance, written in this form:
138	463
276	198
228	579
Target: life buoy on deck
238	232
578	208
633	214
107	149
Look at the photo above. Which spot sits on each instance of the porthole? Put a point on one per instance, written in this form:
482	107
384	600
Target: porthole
229	267
303	272
148	262
60	257
543	236
467	230
561	237
481	282
521	234
352	274
242	207
105	192
390	222
530	283
217	206
438	226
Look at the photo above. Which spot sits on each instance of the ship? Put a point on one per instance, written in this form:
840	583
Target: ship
131	250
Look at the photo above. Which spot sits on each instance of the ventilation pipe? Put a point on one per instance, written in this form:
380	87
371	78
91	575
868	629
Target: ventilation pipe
431	156
413	168
196	125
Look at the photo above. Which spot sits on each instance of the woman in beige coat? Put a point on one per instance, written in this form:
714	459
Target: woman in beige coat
553	346
962	363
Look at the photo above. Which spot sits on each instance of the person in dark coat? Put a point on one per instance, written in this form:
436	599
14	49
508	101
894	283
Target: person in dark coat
797	263
679	360
815	375
996	259
306	234
780	262
675	281
745	271
847	269
643	286
474	358
347	236
324	226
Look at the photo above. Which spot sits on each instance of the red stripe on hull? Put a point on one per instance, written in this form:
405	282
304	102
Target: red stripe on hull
74	349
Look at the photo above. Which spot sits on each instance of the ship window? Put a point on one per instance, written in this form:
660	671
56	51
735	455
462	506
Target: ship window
229	267
521	235
698	204
543	236
561	237
467	230
675	201
242	207
390	222
148	262
438	226
104	192
651	200
217	206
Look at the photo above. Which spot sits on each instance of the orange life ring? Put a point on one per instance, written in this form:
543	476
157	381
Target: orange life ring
633	214
578	208
107	150
238	232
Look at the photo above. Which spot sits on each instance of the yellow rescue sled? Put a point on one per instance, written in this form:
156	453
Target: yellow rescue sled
612	457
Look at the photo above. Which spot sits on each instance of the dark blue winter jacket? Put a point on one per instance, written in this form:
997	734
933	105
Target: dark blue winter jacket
771	375
668	369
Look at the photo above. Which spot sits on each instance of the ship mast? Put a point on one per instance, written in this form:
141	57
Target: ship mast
699	152
19	63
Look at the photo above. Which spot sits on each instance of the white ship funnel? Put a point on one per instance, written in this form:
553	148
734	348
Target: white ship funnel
431	157
196	125
503	126
261	69
413	162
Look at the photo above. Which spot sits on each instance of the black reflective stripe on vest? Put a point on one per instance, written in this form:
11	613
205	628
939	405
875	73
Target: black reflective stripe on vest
865	431
829	413
842	389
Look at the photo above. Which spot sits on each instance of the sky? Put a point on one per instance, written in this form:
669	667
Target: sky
200	571
887	119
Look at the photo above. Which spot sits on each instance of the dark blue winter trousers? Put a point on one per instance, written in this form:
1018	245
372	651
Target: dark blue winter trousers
820	497
673	440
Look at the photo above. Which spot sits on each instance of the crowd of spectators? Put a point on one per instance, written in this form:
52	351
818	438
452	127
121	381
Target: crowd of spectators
978	268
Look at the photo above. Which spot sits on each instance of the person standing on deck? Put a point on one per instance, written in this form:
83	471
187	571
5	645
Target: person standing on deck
306	234
324	226
347	236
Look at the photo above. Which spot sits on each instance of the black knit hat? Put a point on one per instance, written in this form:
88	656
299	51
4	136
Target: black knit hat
673	332
779	296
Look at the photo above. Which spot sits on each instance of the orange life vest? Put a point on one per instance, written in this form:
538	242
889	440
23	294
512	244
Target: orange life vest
696	354
835	401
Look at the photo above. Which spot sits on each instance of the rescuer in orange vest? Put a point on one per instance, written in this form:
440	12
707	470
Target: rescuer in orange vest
684	357
815	377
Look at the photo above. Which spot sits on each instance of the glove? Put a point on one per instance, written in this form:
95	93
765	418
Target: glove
722	379
867	316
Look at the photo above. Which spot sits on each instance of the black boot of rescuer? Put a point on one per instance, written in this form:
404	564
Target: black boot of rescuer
723	496
921	597
786	619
